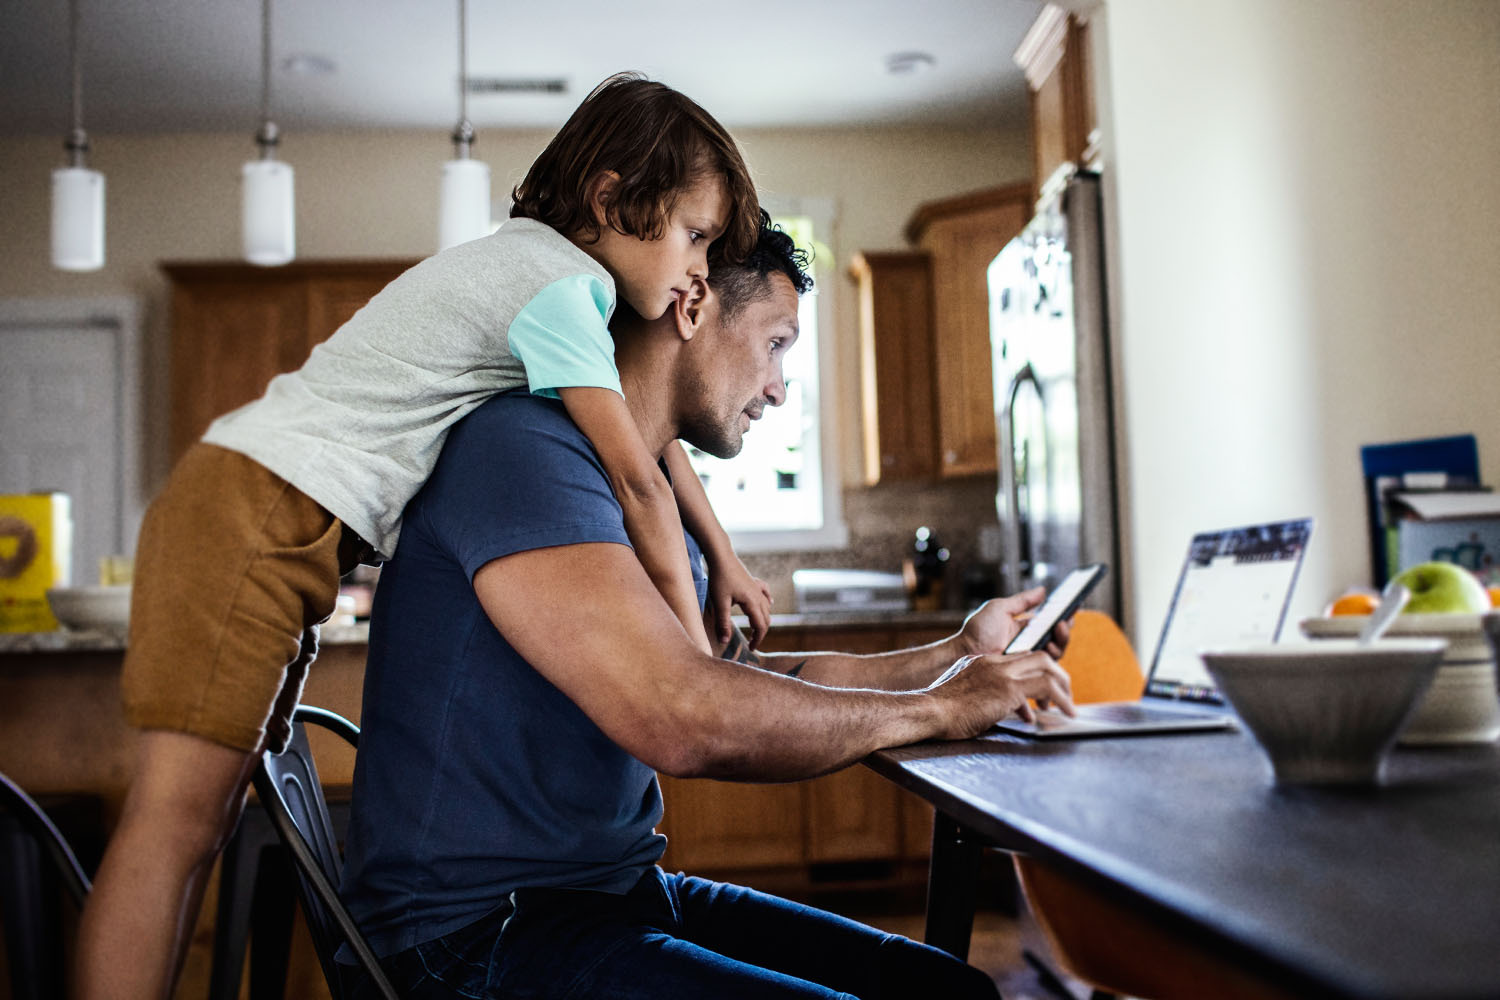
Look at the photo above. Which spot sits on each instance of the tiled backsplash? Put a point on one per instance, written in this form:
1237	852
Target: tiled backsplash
882	526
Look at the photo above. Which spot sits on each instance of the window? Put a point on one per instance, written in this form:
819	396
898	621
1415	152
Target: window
782	490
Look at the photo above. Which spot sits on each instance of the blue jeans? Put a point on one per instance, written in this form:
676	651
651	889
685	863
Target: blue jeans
675	937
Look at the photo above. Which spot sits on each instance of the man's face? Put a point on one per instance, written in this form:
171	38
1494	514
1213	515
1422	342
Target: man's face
738	369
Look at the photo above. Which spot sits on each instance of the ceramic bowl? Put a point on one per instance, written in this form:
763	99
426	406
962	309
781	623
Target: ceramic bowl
1491	623
1326	712
86	608
1461	706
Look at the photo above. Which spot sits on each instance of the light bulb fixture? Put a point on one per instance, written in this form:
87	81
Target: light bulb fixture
268	227
77	191
465	212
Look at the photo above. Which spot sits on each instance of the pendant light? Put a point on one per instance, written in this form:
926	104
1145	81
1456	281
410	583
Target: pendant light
465	213
77	191
268	218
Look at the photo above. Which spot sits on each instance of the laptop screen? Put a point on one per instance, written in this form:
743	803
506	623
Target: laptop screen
1234	589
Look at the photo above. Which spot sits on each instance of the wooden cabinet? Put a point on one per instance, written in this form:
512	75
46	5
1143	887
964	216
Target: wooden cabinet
961	236
928	406
235	326
1059	72
850	816
896	365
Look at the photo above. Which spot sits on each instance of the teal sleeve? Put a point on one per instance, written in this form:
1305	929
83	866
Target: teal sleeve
562	337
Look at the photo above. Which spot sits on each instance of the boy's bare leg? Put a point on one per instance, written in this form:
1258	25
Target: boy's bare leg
179	813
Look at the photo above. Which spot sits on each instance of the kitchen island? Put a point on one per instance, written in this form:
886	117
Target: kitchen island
62	732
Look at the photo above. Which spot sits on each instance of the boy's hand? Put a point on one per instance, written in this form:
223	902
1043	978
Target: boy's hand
731	583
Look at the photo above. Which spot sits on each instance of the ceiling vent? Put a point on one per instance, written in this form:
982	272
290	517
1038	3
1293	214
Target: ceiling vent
517	85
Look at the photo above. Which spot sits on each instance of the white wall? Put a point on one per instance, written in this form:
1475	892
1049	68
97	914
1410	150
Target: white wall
1307	254
369	194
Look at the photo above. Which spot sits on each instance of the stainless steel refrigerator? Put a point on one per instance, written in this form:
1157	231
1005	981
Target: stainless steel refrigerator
1053	402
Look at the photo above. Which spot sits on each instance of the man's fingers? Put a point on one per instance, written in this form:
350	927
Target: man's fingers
1017	604
1057	644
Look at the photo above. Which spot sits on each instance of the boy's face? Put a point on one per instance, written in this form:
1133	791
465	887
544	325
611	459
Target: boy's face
652	274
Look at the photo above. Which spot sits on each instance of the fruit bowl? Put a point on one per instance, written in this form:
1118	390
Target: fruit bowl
1461	705
1326	712
91	608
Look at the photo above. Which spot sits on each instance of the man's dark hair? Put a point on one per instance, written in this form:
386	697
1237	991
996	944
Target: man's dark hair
659	142
740	284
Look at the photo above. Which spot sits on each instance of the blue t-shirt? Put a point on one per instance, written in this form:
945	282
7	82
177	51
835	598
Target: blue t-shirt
475	775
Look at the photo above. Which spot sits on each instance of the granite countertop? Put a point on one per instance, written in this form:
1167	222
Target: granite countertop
843	619
70	641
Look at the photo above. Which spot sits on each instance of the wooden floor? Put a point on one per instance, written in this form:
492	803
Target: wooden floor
997	947
999	944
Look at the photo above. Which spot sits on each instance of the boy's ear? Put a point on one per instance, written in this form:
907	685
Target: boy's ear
689	312
601	195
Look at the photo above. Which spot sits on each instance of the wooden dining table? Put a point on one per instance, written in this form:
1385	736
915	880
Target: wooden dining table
1388	891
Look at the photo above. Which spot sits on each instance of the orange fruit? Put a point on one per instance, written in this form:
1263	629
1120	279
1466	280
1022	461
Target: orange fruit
1494	590
1354	604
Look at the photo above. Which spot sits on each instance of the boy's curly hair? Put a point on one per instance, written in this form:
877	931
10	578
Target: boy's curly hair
659	142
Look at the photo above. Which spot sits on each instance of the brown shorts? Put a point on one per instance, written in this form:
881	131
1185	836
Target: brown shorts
233	570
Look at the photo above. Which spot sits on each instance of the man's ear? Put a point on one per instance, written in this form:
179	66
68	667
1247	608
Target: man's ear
690	310
601	195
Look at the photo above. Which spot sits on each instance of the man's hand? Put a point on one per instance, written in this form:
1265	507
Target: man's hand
978	691
996	622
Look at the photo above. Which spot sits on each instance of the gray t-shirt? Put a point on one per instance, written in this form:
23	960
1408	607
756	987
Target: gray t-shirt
359	426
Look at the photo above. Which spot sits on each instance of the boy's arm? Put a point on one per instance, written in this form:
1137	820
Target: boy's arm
645	496
729	581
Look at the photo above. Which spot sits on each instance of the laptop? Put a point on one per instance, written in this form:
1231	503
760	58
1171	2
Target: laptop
1235	587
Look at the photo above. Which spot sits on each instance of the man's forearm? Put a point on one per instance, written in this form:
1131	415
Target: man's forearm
753	726
899	670
689	714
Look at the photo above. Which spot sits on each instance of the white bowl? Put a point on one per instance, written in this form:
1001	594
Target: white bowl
1461	706
91	608
1326	712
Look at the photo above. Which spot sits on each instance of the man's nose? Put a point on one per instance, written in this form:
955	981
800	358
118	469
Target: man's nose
776	389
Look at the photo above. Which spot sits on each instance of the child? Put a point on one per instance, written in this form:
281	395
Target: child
242	552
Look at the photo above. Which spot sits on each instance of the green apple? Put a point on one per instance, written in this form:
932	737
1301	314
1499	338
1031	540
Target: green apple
1442	587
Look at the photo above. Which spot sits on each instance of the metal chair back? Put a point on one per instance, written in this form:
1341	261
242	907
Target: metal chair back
287	784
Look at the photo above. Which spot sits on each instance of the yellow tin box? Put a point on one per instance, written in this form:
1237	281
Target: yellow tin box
36	552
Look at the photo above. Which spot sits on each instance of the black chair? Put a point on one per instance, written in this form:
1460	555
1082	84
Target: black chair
287	784
28	892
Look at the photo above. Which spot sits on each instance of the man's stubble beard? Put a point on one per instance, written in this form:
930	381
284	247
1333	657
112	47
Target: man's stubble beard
716	440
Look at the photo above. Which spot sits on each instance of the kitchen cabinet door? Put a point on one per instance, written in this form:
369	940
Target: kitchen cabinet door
963	235
236	326
718	826
899	421
853	814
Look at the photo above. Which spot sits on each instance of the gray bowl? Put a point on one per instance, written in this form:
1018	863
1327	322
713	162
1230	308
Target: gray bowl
1491	624
1326	712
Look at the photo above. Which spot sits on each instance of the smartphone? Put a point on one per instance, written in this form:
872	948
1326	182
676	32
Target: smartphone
1062	602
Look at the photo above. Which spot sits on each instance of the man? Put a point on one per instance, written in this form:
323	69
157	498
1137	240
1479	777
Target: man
525	681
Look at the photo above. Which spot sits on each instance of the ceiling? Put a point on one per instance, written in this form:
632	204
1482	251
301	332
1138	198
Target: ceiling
194	65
